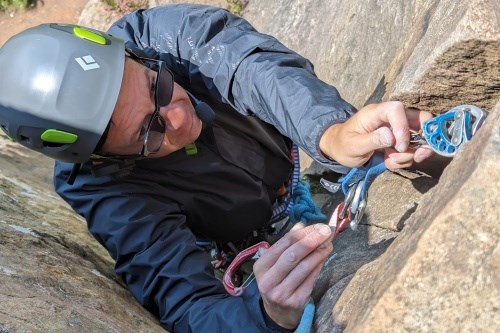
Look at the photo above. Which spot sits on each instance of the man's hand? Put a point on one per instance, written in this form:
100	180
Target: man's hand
286	273
376	126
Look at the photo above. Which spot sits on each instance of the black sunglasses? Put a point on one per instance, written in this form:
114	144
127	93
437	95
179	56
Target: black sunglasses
154	132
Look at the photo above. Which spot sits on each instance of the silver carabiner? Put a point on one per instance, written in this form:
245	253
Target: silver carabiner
347	201
358	206
357	197
478	114
359	214
458	128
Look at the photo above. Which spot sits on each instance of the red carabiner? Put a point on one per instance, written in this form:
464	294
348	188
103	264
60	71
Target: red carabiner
339	223
243	256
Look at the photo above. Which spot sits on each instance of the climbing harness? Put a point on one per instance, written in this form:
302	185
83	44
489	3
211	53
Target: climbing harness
295	205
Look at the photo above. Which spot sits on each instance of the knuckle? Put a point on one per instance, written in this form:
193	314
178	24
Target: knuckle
264	286
396	105
291	257
304	268
277	297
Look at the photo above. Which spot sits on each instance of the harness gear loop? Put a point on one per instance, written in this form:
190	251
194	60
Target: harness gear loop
297	204
281	210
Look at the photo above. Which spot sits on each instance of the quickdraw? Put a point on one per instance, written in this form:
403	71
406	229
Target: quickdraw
355	187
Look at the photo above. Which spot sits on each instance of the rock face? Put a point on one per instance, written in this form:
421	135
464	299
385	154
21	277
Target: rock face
440	273
54	277
425	257
97	14
432	55
435	54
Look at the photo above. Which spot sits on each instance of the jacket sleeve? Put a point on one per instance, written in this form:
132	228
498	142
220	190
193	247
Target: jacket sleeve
156	255
214	53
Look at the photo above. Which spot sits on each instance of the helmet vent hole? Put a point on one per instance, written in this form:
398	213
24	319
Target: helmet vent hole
4	129
52	144
23	138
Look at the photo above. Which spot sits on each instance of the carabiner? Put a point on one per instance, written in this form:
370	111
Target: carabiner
253	252
339	223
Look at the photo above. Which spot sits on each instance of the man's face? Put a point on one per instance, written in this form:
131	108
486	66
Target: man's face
136	105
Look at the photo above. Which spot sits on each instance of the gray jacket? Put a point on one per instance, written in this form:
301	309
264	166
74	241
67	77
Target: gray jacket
264	96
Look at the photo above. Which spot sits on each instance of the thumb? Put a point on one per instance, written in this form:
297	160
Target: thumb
382	137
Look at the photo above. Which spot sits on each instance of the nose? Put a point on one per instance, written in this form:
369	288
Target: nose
173	116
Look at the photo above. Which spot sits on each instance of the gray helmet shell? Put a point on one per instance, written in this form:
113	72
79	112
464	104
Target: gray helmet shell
58	87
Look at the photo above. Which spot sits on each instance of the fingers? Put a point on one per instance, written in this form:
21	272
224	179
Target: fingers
380	126
395	160
395	115
298	297
288	253
286	273
373	127
299	275
422	154
400	121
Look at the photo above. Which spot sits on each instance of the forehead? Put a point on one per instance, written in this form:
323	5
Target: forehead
133	106
134	88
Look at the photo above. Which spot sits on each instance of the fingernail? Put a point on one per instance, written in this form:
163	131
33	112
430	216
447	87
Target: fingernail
422	154
394	158
401	147
324	229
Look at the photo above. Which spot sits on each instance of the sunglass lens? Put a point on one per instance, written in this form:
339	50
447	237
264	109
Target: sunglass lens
165	86
156	134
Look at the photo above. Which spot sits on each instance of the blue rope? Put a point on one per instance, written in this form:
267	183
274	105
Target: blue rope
306	320
298	205
303	208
